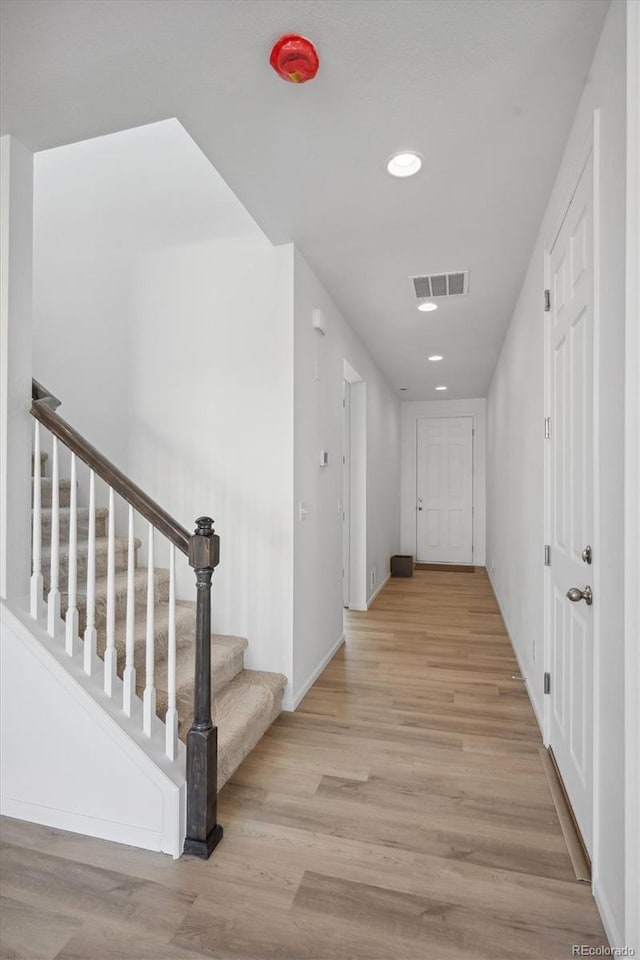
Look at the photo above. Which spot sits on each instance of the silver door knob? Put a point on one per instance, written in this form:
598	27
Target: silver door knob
587	554
575	594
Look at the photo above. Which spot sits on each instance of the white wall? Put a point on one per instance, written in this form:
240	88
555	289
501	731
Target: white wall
411	412
515	451
318	424
16	242
515	481
164	322
632	486
210	420
79	770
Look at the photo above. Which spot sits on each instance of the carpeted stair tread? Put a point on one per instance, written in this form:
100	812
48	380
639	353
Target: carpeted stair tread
227	661
121	545
46	486
243	711
161	594
82	522
184	635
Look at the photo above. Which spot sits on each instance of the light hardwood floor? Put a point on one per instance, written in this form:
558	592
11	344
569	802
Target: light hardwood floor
401	813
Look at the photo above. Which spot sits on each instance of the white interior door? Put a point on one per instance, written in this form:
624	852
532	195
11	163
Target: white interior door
444	509
570	369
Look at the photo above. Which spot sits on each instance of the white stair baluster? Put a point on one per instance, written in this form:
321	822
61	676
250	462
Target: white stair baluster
36	551
171	720
53	599
110	655
129	677
71	619
149	697
90	638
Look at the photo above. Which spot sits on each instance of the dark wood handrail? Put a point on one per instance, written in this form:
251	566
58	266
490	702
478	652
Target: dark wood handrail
41	409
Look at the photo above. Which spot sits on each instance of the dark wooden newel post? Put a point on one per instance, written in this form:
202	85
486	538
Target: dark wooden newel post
203	831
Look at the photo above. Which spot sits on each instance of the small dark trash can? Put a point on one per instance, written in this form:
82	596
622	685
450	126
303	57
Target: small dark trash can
401	565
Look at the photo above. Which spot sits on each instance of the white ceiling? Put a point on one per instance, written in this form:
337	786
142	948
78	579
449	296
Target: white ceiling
485	90
135	191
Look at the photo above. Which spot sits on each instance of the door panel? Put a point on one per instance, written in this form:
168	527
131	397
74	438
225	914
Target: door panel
578	653
445	490
433	471
571	509
433	528
456	529
456	471
559	669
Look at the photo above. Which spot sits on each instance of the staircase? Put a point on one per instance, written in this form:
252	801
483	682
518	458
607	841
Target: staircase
180	682
244	702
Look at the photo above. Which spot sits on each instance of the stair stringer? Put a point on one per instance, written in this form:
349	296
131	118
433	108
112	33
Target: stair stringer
70	758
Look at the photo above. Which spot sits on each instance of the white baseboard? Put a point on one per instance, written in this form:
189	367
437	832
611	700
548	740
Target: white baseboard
532	701
614	935
378	590
133	836
292	701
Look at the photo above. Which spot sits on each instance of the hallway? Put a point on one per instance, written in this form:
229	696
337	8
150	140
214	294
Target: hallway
402	813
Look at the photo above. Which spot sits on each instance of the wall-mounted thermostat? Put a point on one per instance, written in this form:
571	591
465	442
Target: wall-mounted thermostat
324	458
318	322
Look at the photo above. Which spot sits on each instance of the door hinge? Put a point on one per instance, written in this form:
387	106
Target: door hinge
547	301
344	402
547	555
547	428
547	683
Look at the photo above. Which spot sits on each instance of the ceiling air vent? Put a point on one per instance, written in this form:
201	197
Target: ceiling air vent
441	285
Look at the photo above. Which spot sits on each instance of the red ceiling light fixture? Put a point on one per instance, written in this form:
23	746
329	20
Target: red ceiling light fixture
294	58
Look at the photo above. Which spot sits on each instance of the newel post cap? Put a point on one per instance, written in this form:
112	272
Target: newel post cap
204	545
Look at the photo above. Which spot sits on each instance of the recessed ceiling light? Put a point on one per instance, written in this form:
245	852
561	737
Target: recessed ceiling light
404	164
427	306
435	358
441	388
